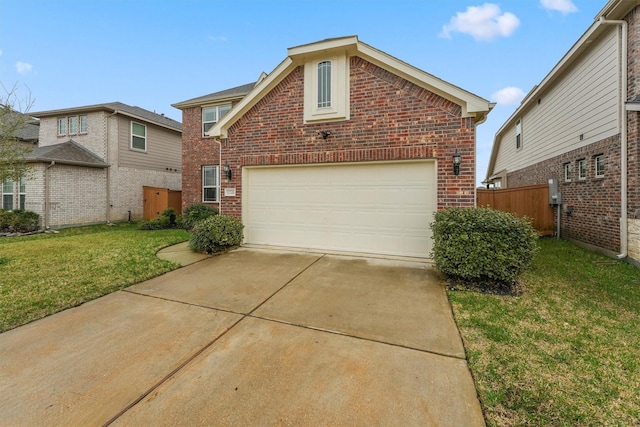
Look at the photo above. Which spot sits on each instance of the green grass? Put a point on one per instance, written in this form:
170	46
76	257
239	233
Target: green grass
564	353
46	273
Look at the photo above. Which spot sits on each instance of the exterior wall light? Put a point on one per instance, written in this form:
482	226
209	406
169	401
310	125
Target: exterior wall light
227	171
456	163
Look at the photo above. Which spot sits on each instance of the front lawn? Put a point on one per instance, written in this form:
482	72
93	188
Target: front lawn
46	273
564	353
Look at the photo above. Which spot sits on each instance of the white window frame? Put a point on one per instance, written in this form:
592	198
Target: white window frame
142	137
567	172
219	110
598	173
215	185
317	109
73	125
62	126
5	193
22	192
519	134
83	124
582	169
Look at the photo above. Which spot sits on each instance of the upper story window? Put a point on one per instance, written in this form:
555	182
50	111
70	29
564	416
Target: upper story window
210	184
567	171
599	166
72	125
138	136
326	89
211	115
519	134
324	84
582	169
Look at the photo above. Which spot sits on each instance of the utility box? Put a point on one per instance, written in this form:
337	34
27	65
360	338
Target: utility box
555	198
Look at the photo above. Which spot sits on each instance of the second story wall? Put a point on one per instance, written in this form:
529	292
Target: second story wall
581	108
94	139
163	147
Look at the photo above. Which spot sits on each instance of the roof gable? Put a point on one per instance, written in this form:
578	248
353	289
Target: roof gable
472	105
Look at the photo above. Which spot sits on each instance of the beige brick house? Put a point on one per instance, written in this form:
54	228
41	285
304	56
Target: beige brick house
341	147
92	162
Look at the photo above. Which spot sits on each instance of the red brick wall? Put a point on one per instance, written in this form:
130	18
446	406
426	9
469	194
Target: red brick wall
596	216
391	119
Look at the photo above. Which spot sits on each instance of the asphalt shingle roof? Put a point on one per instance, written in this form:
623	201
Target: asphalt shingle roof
69	153
234	92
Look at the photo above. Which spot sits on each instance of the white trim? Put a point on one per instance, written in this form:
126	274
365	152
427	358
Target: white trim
339	108
216	186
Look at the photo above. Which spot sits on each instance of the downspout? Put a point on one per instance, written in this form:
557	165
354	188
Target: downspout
47	202
107	147
623	135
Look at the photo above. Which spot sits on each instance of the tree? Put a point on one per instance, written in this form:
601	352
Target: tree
18	133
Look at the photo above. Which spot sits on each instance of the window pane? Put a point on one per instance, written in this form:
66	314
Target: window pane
209	114
210	194
23	184
138	129
210	176
324	84
137	143
223	110
22	199
62	126
73	125
7	201
600	165
83	124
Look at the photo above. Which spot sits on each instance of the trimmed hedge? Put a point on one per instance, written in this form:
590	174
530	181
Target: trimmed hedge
19	221
196	212
482	245
216	233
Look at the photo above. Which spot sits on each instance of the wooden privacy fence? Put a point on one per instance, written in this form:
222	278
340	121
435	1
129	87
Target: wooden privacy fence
157	199
531	201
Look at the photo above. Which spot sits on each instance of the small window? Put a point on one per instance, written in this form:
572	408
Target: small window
210	184
73	125
567	171
62	126
23	191
211	115
138	136
518	134
582	169
599	165
83	124
7	194
324	84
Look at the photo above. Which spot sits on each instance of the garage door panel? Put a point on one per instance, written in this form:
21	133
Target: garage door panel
381	208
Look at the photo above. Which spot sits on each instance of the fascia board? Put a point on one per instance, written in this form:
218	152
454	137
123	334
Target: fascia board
472	105
219	130
322	46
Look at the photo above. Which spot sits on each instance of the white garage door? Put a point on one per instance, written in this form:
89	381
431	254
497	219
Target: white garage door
381	208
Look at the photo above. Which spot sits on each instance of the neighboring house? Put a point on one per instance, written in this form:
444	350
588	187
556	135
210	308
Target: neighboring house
341	147
580	126
92	162
12	190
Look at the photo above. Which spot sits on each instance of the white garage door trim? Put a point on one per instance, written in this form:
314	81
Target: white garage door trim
370	207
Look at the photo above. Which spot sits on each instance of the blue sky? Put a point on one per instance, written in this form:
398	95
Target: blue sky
155	53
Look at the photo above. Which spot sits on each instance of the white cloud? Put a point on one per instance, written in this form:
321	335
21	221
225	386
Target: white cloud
562	6
23	67
217	38
508	96
482	23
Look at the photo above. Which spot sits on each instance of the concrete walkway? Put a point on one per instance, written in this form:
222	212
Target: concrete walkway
251	337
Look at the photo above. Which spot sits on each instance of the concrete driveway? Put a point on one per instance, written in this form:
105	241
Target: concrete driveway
248	338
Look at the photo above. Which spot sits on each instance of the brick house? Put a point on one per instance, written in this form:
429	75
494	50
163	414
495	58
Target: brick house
92	162
341	147
579	126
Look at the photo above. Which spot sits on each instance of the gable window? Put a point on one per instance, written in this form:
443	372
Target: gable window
519	134
599	165
7	194
211	115
567	171
324	84
83	124
23	191
138	136
62	126
73	125
326	89
582	169
210	184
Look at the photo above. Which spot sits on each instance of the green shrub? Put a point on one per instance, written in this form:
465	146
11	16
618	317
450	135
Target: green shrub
19	221
216	233
171	214
482	245
167	219
196	212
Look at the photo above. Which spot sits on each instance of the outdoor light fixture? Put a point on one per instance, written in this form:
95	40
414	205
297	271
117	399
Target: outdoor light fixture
227	170
456	163
325	134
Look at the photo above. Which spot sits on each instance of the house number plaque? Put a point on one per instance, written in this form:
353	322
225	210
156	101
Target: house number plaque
229	192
